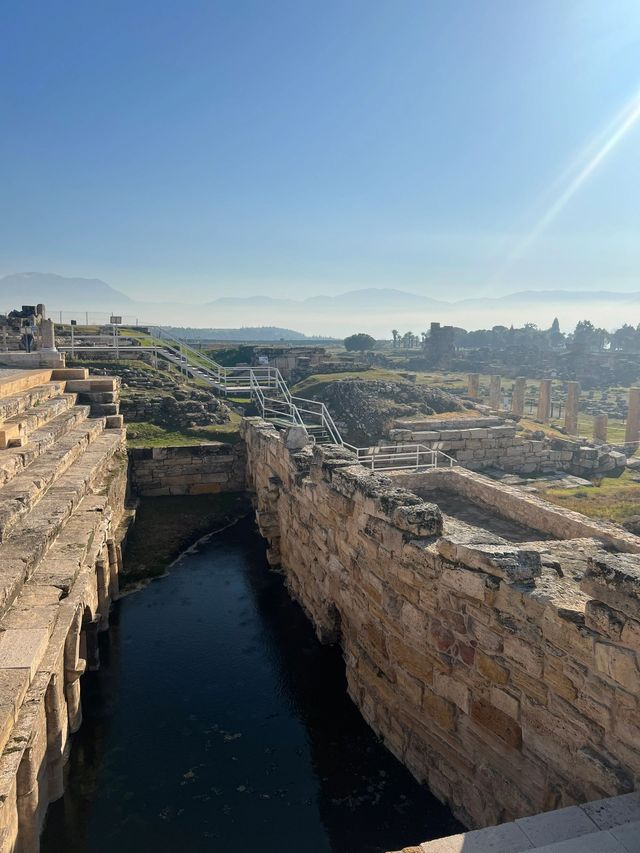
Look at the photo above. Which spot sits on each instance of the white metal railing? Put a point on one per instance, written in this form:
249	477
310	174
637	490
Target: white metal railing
274	400
401	457
264	383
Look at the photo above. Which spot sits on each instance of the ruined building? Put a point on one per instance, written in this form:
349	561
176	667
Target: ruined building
490	639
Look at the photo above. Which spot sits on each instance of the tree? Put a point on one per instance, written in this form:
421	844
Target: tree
396	335
556	338
359	342
588	338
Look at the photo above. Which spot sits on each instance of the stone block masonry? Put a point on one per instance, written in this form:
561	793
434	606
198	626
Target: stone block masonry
504	675
63	478
187	470
481	443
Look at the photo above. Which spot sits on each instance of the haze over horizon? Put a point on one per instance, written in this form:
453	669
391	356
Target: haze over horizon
185	152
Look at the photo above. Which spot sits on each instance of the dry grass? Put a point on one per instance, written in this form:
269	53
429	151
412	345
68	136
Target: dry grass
609	500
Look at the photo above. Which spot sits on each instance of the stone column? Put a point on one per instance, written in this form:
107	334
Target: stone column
30	798
632	432
473	385
48	336
74	667
600	426
114	587
57	726
103	583
92	648
571	408
517	397
544	401
495	393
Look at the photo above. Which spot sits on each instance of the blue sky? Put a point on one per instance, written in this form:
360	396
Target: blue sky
199	149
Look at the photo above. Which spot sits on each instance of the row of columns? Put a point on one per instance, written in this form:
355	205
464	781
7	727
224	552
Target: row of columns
600	421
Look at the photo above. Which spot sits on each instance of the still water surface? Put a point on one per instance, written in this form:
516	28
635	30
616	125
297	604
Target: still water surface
218	723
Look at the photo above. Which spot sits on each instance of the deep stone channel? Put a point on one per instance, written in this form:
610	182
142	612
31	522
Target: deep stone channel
218	722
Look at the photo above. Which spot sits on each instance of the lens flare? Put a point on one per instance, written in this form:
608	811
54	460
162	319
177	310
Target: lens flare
597	151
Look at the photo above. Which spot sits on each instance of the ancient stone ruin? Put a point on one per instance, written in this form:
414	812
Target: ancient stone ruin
491	640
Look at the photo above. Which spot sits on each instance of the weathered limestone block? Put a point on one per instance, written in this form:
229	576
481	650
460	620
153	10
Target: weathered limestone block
544	400
517	398
490	675
632	430
424	519
495	392
600	426
571	408
503	561
615	580
473	385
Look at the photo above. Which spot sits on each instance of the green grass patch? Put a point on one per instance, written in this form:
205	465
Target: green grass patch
145	434
610	499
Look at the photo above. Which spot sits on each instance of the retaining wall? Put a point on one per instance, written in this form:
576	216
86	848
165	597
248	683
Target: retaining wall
187	470
500	446
506	684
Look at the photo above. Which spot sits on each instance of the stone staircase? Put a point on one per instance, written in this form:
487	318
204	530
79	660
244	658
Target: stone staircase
62	485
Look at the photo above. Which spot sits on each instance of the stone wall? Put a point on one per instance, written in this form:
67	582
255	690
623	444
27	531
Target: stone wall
187	470
31	360
62	490
504	676
514	504
492	444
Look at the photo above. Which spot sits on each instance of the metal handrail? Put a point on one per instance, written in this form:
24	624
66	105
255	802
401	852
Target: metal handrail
402	457
298	410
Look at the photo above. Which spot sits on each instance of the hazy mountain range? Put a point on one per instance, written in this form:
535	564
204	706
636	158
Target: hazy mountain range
374	310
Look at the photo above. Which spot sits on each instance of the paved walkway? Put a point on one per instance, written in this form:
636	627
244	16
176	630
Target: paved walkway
604	826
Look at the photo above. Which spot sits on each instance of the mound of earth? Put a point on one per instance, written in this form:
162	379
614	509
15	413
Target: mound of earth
364	409
161	398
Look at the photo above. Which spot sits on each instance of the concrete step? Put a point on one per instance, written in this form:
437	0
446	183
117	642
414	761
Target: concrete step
25	546
16	459
18	427
20	495
15	403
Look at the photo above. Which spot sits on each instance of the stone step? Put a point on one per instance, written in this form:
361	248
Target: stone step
69	373
14	382
16	403
16	459
21	698
18	427
27	545
28	625
20	495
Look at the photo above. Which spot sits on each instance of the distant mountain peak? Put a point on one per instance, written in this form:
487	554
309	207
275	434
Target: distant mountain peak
58	291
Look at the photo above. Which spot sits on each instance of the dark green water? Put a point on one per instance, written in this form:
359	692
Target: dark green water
218	723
